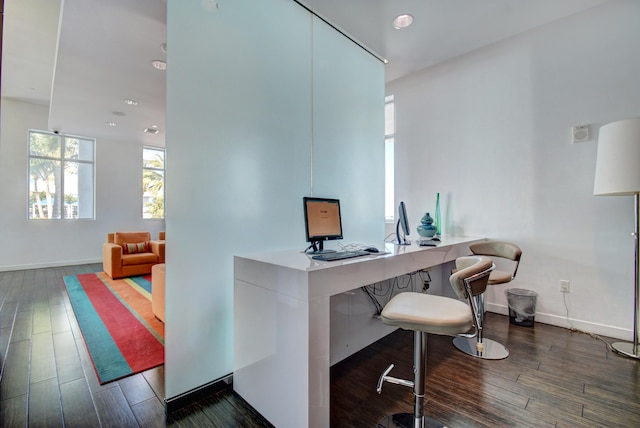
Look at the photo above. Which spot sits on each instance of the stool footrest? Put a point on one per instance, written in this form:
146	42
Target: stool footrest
384	377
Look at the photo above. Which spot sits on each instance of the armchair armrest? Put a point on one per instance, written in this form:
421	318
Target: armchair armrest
112	259
157	248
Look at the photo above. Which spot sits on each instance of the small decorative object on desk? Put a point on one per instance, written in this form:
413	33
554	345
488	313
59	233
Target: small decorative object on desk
426	228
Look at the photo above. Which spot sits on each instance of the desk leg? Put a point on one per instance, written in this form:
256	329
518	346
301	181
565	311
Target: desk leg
281	356
319	363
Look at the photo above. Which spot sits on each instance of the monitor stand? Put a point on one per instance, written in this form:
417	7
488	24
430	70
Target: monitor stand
318	248
403	240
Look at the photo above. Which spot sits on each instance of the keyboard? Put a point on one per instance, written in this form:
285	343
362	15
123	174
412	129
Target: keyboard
340	255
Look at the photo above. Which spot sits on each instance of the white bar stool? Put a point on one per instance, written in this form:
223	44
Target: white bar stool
480	346
424	314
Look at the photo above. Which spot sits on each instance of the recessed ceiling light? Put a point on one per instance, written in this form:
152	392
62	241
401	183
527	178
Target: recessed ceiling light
402	21
152	131
130	102
111	123
159	64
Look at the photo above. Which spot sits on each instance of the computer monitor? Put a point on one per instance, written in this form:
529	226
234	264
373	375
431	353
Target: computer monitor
404	223
322	222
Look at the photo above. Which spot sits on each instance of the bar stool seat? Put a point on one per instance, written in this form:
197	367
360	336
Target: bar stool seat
428	314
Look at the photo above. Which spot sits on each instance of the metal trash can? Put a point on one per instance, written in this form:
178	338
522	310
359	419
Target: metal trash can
522	306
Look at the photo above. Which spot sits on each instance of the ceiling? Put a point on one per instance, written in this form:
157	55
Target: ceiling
102	54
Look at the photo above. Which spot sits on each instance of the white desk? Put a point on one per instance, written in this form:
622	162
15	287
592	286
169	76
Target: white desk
282	323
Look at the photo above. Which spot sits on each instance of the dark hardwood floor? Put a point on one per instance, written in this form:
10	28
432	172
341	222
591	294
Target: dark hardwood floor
553	377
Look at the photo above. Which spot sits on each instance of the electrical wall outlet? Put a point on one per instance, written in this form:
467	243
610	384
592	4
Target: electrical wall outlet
564	286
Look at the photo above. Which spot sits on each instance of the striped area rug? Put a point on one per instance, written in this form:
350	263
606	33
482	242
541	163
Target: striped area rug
122	335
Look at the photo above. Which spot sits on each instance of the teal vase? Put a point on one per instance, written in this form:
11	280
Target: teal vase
438	221
426	227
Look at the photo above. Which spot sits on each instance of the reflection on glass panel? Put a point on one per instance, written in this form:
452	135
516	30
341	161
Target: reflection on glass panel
44	189
45	145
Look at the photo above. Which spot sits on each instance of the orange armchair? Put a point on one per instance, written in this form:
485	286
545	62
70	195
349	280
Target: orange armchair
130	253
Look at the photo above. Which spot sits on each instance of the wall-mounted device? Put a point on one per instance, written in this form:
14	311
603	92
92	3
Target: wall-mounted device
580	133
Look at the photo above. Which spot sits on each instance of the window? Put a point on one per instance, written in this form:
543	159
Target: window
389	136
152	182
61	176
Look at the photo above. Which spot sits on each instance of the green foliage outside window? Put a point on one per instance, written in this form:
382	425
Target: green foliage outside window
153	183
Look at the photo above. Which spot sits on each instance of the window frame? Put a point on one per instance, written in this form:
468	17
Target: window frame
63	161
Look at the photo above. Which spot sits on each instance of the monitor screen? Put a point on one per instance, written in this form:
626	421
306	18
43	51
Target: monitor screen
322	220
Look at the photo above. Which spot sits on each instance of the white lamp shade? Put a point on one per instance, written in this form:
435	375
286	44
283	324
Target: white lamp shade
618	159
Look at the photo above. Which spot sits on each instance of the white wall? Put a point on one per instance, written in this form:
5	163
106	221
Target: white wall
36	244
252	127
491	131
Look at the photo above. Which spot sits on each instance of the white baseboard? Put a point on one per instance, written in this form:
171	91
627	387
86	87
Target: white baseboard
48	265
561	321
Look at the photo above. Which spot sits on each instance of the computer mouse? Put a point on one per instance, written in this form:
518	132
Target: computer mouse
371	250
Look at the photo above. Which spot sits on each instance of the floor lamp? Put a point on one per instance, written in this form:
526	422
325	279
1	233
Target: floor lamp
618	174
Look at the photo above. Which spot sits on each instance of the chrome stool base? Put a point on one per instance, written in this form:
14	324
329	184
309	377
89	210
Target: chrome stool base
491	350
627	349
407	420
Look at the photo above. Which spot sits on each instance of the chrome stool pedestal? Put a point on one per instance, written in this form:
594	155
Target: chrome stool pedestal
417	419
480	346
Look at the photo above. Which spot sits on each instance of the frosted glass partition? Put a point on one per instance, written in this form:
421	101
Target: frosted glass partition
238	164
348	132
240	91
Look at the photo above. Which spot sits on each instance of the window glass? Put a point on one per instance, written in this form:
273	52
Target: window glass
389	130
77	148
153	182
45	145
389	112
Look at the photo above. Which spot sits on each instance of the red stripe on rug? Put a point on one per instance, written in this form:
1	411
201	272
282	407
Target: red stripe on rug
136	301
137	345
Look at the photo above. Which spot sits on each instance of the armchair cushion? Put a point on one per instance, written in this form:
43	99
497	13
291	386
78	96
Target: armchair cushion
139	259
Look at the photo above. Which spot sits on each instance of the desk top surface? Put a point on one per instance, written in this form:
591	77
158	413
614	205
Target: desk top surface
299	260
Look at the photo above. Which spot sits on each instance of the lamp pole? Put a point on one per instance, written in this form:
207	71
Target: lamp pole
625	348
